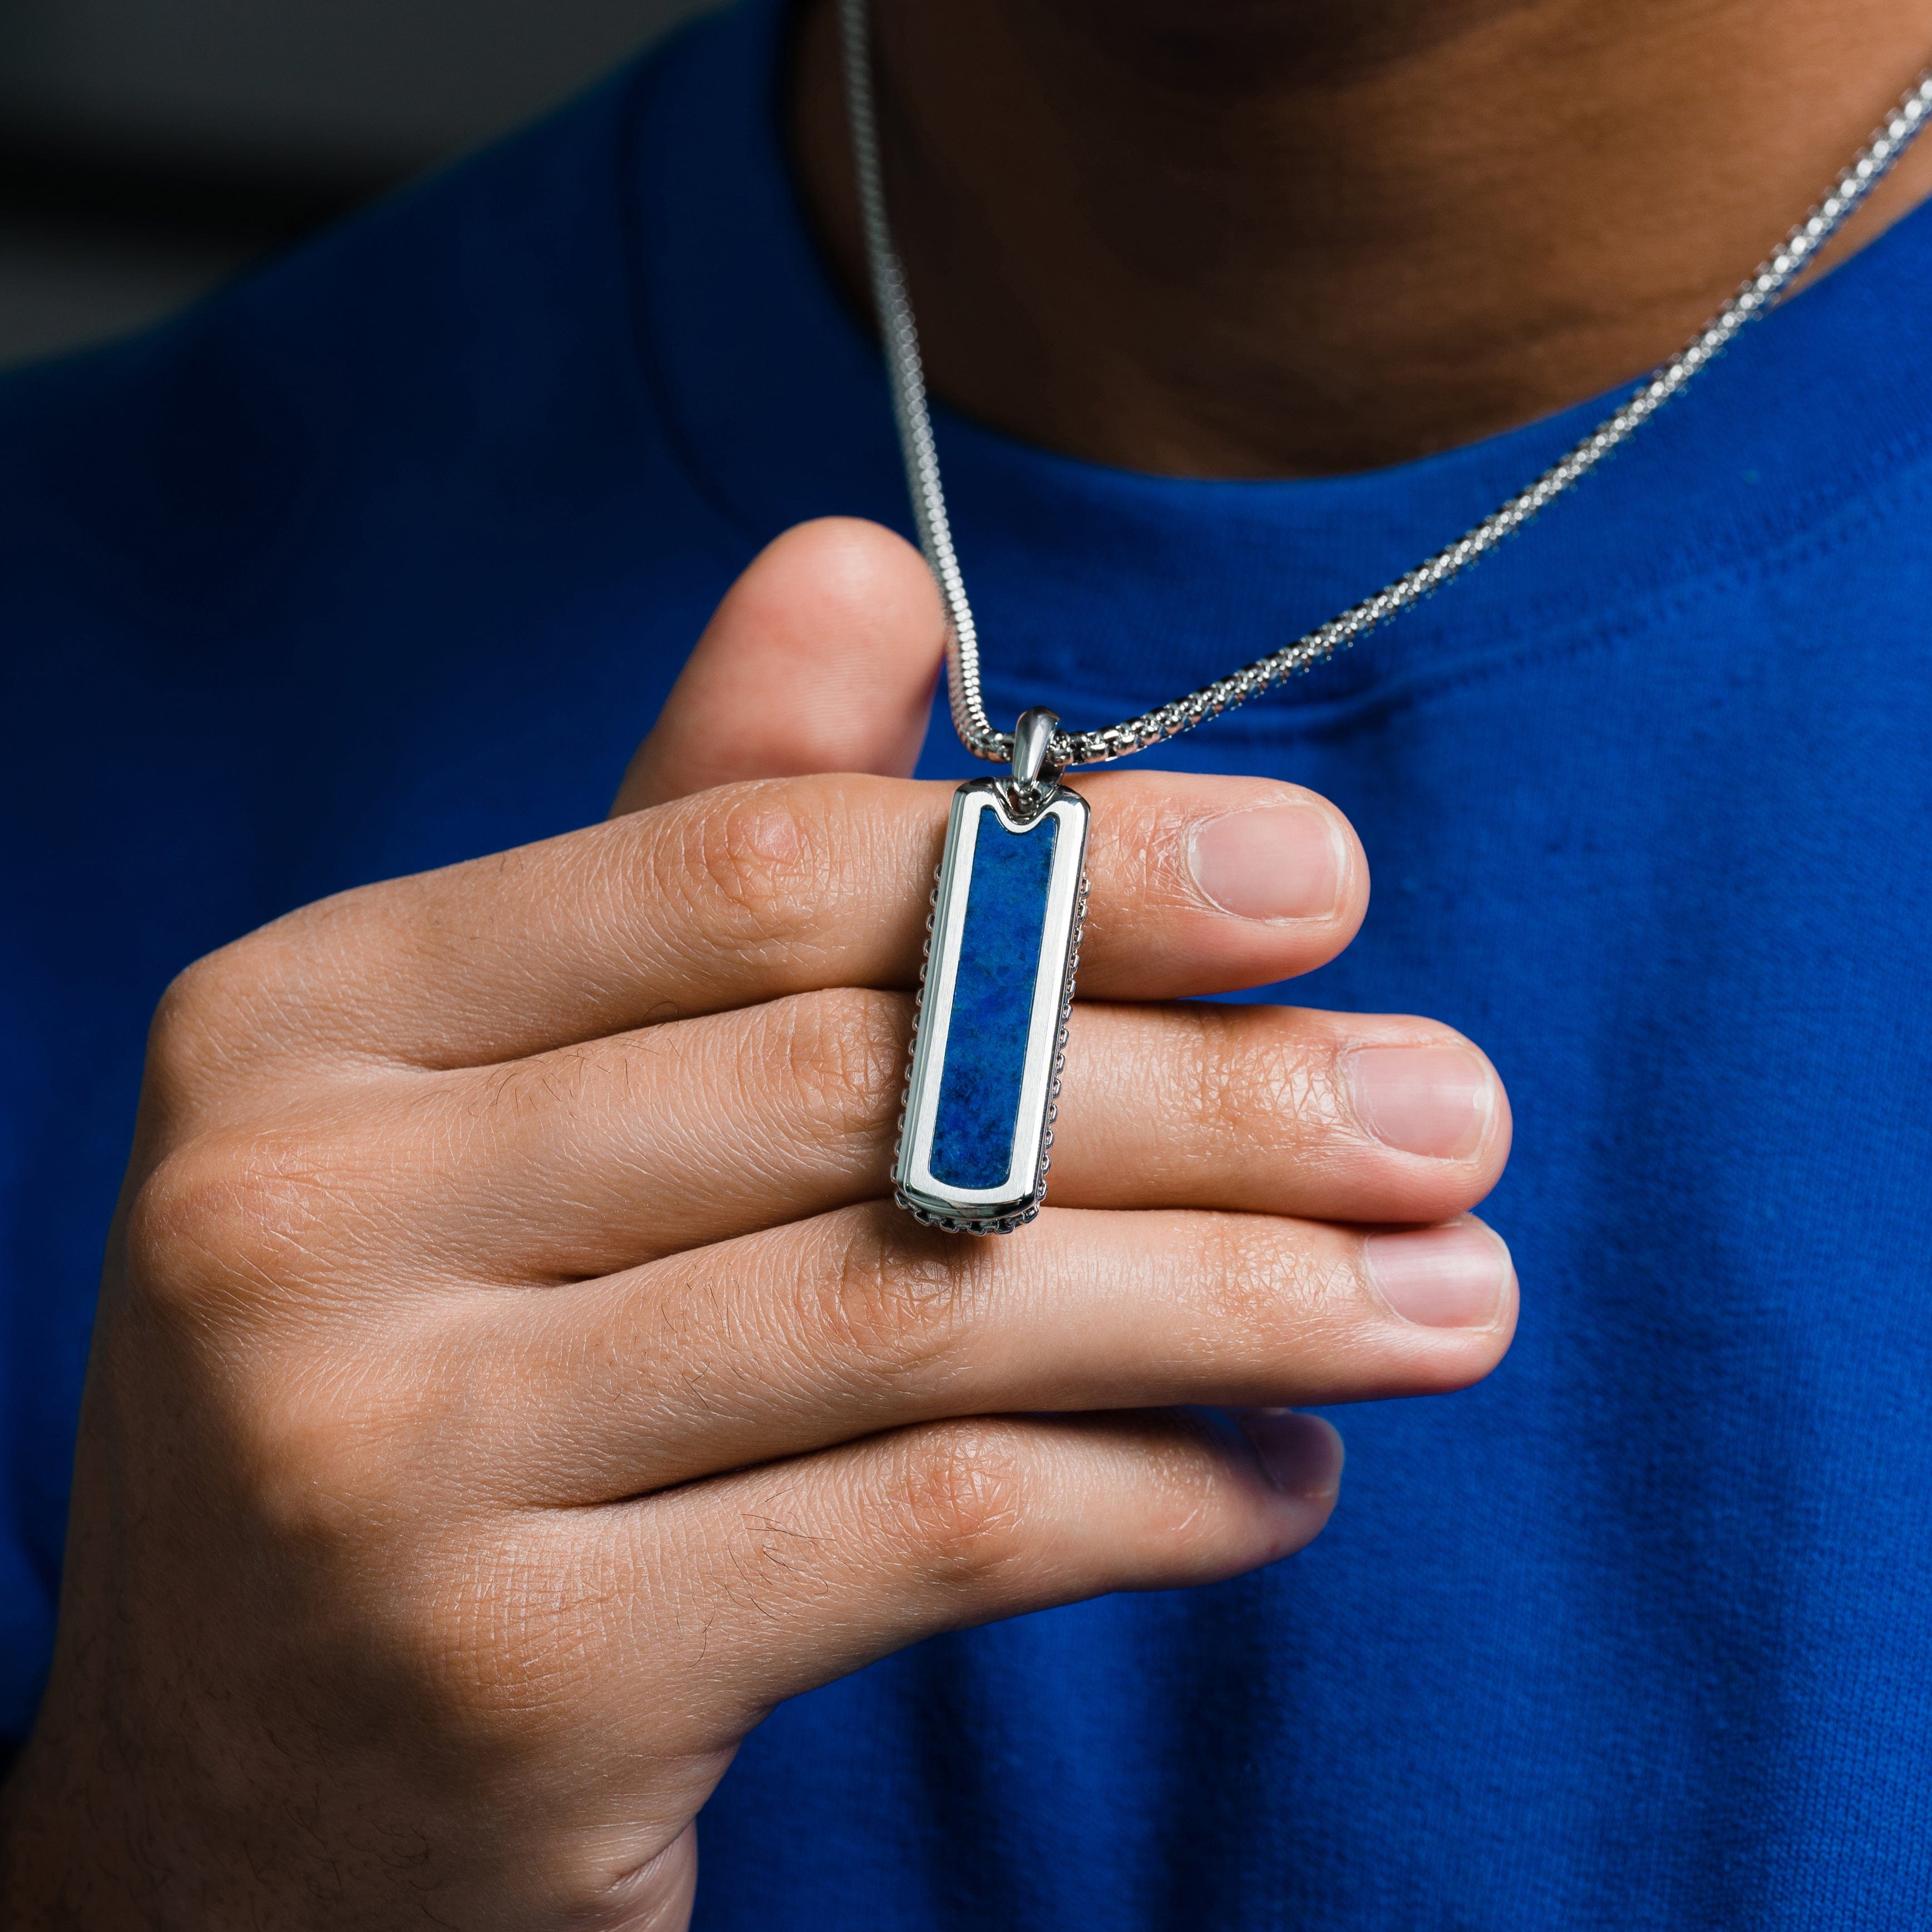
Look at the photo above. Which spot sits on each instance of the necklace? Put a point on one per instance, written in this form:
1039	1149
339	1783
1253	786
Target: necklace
990	1034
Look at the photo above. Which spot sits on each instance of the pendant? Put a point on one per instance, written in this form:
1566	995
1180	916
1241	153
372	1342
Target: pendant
989	1037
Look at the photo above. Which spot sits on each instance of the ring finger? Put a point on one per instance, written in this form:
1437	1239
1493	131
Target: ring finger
802	1337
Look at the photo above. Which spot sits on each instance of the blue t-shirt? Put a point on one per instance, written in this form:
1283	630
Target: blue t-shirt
387	556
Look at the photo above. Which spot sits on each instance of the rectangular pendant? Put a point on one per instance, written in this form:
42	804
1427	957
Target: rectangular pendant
989	1036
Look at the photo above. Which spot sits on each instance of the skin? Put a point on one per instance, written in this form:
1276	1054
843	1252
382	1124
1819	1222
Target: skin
1294	238
510	1381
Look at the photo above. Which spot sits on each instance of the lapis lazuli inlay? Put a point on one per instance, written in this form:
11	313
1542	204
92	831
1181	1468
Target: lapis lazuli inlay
992	1003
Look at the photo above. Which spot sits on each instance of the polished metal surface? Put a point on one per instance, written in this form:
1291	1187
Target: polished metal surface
1036	775
1016	1200
906	374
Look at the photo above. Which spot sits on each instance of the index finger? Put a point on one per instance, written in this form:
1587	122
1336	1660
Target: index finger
753	892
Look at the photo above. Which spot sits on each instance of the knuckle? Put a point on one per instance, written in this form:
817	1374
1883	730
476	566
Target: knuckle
1265	1281
336	1455
1145	830
198	1016
837	1055
1243	1287
959	1492
326	1447
274	995
755	867
892	1308
217	1223
1253	1088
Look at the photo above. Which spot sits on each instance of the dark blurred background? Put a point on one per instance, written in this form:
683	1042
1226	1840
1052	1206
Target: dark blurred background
148	148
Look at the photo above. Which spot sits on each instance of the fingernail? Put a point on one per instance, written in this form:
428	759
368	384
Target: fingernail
1274	862
1433	1100
1451	1277
1301	1454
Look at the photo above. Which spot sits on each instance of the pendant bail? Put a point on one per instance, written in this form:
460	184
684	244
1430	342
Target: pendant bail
1036	772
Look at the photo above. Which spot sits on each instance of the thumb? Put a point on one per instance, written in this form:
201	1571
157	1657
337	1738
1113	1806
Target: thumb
820	658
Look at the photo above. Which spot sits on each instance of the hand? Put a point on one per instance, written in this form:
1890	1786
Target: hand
511	1379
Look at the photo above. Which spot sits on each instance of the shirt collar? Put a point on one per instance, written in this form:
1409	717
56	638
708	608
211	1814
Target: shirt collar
1101	591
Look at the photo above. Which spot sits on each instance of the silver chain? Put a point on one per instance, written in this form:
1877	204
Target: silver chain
907	376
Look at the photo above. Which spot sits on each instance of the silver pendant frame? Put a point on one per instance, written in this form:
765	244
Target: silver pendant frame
1016	1201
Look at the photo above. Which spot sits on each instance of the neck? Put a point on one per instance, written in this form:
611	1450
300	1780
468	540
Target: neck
1281	238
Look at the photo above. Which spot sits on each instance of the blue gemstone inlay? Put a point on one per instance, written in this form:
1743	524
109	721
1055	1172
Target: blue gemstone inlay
992	1003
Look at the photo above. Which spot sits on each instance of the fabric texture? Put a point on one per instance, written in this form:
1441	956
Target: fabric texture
387	556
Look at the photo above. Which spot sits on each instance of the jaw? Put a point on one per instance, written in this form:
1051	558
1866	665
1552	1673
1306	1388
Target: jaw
1293	238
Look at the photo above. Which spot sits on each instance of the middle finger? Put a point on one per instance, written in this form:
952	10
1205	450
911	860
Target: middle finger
601	1156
